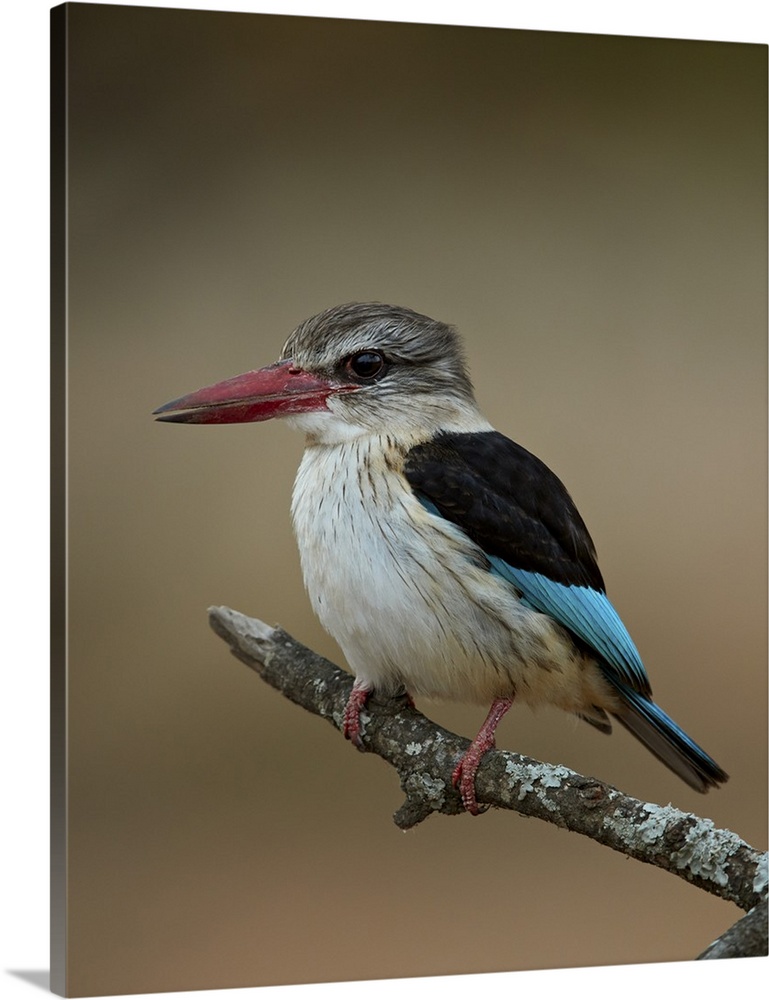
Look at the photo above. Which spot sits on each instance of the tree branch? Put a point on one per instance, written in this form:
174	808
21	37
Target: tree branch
745	939
424	756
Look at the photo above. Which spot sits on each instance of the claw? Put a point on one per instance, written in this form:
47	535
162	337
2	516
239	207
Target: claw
351	727
463	779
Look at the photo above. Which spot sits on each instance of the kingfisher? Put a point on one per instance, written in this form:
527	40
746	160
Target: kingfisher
446	560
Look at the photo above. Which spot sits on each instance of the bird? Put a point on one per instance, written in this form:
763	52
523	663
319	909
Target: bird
446	560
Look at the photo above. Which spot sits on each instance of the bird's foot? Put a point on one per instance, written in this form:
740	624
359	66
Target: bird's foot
351	728
463	775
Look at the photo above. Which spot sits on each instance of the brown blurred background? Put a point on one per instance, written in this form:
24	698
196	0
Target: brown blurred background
590	211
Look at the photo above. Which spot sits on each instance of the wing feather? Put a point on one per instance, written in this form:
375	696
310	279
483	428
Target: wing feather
511	504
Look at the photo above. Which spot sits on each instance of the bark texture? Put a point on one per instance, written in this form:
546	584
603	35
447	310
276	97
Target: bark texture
424	755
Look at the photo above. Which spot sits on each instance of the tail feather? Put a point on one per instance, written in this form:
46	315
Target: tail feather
666	740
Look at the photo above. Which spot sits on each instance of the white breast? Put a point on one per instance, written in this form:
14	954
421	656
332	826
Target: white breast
405	594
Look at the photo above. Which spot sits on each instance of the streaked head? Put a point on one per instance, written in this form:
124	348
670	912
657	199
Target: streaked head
352	369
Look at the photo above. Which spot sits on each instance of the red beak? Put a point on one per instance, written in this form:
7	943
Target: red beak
273	391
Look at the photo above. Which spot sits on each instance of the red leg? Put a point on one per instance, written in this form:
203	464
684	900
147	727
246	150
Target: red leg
355	704
464	773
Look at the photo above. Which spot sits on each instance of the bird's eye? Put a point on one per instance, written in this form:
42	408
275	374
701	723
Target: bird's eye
366	365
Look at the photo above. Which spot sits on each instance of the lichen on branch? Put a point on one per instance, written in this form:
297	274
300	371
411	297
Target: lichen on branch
424	755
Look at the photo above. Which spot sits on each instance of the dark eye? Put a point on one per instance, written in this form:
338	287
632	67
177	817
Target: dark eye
366	365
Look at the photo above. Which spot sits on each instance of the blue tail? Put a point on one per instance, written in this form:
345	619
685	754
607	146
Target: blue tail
666	740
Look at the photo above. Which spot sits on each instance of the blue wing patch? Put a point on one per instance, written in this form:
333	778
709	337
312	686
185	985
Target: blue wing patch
587	613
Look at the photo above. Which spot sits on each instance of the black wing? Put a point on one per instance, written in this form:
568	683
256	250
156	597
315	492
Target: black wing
508	502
